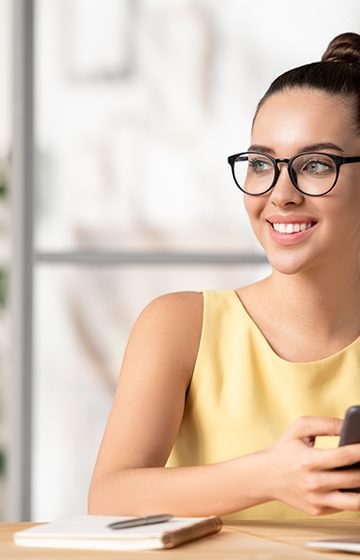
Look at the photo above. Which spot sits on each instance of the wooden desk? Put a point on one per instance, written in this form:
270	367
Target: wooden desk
257	540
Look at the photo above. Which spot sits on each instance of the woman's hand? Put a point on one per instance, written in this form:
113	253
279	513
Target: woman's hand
304	477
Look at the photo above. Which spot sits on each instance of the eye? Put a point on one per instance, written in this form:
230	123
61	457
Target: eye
318	166
260	165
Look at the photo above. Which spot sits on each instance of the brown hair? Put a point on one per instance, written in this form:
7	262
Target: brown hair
338	73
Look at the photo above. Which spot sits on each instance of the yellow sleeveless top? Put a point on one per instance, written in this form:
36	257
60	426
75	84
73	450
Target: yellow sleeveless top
243	395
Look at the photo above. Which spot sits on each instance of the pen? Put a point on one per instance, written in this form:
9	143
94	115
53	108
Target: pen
139	521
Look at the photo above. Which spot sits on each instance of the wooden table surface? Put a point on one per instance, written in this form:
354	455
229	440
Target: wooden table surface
257	540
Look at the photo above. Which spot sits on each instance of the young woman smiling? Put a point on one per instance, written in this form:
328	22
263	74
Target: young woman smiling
226	398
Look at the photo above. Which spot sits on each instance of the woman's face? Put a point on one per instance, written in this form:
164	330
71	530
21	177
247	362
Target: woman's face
289	123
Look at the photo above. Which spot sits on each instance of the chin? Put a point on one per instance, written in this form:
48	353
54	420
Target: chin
286	269
287	264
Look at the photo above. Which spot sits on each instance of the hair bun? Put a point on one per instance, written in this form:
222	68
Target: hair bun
343	48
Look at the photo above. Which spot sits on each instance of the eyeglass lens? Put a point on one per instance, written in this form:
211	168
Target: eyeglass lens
313	173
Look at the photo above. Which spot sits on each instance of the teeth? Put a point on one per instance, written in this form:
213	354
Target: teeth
291	228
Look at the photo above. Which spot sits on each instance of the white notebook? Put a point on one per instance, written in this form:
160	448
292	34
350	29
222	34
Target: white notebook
349	544
91	532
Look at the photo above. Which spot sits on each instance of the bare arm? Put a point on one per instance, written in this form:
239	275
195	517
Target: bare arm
130	477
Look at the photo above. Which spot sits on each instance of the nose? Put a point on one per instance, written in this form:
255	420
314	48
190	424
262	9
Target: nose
284	192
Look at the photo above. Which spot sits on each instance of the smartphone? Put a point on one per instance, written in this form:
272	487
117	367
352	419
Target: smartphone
350	433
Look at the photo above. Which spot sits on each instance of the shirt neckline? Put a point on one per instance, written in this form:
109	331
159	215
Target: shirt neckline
270	349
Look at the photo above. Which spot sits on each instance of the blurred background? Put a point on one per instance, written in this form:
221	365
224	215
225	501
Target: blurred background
116	119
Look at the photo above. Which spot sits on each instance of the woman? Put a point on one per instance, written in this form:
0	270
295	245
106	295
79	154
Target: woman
237	385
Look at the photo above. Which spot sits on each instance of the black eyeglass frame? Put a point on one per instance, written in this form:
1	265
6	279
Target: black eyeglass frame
338	160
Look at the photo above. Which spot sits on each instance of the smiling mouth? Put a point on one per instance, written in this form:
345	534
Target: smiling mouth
291	228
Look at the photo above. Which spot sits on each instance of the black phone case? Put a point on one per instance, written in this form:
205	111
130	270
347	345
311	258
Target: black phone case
350	433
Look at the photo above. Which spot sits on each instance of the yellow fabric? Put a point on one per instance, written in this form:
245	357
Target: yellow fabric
243	395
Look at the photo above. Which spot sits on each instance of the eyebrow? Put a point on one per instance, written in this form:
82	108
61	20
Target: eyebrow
309	148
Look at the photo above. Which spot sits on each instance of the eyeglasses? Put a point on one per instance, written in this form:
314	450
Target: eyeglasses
311	173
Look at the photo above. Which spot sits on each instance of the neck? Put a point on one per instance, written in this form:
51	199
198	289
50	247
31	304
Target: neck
323	299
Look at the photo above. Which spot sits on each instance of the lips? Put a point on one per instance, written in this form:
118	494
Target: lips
291	224
290	228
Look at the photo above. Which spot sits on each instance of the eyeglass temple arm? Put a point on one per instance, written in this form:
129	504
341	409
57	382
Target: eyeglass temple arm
351	159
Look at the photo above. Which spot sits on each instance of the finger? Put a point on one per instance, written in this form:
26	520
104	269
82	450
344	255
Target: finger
336	480
349	501
328	459
351	482
312	426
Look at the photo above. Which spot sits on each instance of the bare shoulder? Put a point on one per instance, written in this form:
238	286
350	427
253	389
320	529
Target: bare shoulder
171	325
172	306
155	374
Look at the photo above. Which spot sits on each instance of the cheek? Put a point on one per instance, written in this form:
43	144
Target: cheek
348	196
347	190
253	207
351	217
342	216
